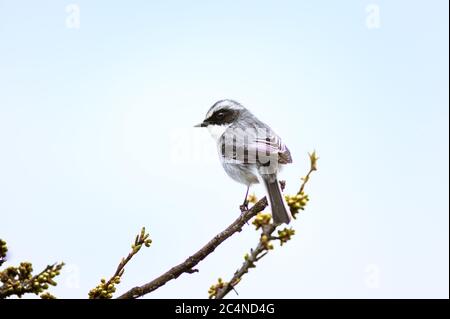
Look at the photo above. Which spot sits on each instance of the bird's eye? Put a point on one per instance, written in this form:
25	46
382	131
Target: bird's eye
220	115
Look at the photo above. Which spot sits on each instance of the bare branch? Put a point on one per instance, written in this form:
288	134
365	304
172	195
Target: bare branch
188	265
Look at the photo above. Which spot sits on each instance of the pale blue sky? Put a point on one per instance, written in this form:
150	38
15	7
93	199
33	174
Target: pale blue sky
96	141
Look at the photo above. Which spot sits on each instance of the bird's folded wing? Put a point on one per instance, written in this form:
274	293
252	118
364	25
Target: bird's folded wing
254	149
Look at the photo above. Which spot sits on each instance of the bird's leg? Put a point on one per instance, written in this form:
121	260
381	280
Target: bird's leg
244	206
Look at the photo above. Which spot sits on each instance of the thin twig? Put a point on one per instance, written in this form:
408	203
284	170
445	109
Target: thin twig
254	256
106	289
18	284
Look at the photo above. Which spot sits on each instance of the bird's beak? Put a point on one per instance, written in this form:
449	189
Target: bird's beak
203	124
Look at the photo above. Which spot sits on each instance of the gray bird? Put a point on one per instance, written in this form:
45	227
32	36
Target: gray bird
250	152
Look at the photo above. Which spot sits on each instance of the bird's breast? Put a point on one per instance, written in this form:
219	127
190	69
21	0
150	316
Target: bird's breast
241	173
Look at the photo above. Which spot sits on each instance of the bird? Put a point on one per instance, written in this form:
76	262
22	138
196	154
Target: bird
250	152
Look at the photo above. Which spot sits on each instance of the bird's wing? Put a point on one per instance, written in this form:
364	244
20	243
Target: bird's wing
249	147
274	145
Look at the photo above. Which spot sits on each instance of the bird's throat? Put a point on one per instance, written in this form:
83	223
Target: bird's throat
216	131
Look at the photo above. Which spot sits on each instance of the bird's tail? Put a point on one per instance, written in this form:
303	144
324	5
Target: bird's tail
280	210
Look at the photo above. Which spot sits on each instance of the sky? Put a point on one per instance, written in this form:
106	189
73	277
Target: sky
97	106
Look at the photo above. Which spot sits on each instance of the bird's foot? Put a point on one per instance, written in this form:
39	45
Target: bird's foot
244	207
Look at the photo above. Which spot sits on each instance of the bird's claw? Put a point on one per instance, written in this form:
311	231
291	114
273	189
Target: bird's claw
244	207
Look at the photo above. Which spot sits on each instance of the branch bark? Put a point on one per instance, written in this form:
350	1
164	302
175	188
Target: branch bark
188	265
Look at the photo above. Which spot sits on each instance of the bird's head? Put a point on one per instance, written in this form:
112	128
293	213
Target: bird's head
223	112
221	115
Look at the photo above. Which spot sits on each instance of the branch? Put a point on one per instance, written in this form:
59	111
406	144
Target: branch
3	251
188	265
106	289
19	280
220	290
296	203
